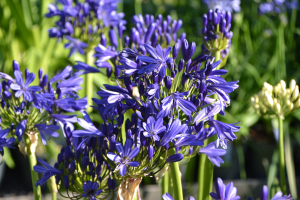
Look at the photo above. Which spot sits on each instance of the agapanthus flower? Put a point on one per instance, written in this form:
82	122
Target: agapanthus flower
91	190
75	45
152	128
5	142
277	6
22	88
124	159
48	172
46	131
278	196
213	153
227	5
224	192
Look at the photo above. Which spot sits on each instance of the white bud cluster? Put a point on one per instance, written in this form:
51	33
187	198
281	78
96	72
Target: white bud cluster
277	100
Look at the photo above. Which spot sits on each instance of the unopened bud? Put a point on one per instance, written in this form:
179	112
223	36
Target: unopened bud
269	99
278	108
295	93
275	101
268	86
291	106
283	84
297	104
292	85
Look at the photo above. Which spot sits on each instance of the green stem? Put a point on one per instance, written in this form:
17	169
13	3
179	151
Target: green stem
34	175
281	155
217	56
53	188
89	81
165	183
201	174
176	179
138	7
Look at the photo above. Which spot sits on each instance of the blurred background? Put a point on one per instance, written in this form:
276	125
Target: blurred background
265	48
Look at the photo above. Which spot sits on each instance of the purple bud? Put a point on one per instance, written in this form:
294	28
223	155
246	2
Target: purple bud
126	40
120	29
184	47
173	74
215	19
229	35
178	26
154	39
149	32
182	37
228	18
184	79
168	82
66	181
264	193
128	84
72	167
159	18
154	78
169	19
108	72
174	36
204	20
191	50
142	89
222	25
150	152
113	38
40	74
26	73
43	83
204	30
103	39
147	19
117	72
180	65
15	65
137	37
90	29
174	158
69	28
210	15
188	64
170	65
164	26
175	51
168	38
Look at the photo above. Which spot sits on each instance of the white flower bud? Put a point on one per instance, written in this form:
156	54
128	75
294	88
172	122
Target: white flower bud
292	85
269	99
291	106
275	101
277	108
295	93
297	104
283	84
268	87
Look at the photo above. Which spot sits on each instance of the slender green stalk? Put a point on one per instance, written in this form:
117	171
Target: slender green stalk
34	175
89	81
281	155
176	178
138	7
165	183
53	188
201	174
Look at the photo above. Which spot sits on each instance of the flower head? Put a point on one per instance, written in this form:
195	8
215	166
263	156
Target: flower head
224	192
90	190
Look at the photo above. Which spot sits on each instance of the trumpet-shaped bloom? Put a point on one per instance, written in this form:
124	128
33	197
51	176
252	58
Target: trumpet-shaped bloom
213	154
152	128
22	88
126	154
224	192
48	171
90	190
46	131
75	45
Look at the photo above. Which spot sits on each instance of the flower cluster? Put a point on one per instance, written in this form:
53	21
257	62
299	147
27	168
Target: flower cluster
277	100
216	33
172	106
27	110
227	5
84	22
277	6
146	30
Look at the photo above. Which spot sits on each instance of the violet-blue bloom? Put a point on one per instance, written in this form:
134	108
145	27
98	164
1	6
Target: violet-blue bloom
224	192
90	190
22	88
46	131
126	154
75	45
213	154
9	142
152	128
48	172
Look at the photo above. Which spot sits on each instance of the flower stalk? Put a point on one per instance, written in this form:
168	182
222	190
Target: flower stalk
176	178
281	155
32	162
89	80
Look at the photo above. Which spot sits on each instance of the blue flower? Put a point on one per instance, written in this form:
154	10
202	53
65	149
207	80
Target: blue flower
176	99
48	172
22	88
9	142
46	131
152	128
278	196
90	190
85	67
173	130
89	129
213	154
224	192
75	45
20	130
157	60
126	154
